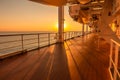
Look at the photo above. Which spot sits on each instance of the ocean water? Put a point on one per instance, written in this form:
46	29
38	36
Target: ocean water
9	44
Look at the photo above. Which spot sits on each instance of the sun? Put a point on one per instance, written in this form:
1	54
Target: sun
65	25
56	27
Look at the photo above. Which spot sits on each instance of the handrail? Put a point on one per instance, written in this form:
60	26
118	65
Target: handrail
25	41
115	74
3	35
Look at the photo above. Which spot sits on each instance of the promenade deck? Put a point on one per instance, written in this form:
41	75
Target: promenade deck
81	58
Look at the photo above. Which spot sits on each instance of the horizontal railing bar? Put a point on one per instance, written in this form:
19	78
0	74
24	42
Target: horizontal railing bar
24	34
30	39
44	40
10	47
43	37
53	36
30	34
9	41
43	45
52	39
37	38
30	43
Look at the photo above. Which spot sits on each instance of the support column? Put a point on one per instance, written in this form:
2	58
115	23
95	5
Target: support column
61	24
83	30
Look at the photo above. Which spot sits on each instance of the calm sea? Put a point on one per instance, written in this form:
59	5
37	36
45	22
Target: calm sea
9	44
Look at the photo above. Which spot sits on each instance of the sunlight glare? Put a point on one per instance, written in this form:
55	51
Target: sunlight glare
65	25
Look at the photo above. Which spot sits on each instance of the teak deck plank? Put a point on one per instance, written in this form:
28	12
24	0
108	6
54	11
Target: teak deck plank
76	59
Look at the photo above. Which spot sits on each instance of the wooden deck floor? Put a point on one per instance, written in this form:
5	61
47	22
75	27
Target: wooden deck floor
76	59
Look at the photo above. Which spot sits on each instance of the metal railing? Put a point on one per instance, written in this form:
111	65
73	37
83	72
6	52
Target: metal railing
114	60
20	42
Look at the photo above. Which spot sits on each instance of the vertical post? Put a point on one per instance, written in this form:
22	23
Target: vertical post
86	29
83	30
48	38
69	35
73	34
56	37
65	36
22	42
111	51
61	24
116	61
38	41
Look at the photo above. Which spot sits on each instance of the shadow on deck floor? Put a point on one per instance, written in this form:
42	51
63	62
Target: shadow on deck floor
76	59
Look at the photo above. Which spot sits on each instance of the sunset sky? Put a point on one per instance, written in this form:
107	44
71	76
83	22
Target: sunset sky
24	15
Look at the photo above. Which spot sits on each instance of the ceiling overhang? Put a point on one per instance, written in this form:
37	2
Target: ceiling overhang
51	2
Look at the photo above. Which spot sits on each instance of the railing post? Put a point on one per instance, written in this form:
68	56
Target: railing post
22	42
73	34
38	41
111	51
56	37
69	35
83	29
116	61
48	38
65	35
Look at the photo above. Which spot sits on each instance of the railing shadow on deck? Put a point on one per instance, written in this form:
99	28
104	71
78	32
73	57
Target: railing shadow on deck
59	69
54	66
49	65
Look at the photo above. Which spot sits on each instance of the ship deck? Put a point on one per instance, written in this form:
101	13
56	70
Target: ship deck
76	59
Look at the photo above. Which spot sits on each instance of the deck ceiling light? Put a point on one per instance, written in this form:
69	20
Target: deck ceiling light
94	2
97	8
